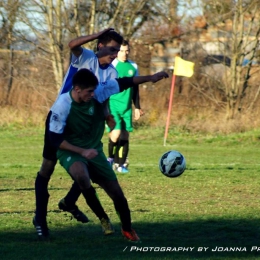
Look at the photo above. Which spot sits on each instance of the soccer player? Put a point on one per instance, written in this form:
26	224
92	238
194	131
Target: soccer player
121	108
99	63
102	92
108	45
76	128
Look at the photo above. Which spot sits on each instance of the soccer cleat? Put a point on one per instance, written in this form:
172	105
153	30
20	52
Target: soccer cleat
130	236
74	210
107	227
115	166
41	229
122	169
110	161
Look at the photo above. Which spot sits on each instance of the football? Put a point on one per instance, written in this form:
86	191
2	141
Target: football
172	164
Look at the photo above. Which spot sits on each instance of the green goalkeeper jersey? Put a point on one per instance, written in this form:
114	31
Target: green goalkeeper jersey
123	100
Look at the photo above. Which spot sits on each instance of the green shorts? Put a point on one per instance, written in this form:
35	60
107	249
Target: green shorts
123	120
98	167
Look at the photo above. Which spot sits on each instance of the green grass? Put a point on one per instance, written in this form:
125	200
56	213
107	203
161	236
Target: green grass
215	203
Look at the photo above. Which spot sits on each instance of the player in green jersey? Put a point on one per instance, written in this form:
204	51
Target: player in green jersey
121	108
76	127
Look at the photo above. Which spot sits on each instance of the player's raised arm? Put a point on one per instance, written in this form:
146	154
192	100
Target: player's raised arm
75	44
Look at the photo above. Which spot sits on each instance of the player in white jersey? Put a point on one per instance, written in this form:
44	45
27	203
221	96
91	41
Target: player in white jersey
108	46
88	60
100	64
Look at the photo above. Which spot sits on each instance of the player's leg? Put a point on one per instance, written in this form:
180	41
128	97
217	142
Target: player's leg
113	138
78	169
126	127
42	197
126	149
116	158
102	174
115	192
41	184
68	203
123	151
112	145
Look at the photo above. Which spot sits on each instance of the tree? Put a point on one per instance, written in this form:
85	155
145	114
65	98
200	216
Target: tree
245	35
53	22
8	15
227	31
45	22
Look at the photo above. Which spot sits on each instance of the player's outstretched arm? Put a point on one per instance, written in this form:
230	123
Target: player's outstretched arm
114	86
150	78
128	82
75	44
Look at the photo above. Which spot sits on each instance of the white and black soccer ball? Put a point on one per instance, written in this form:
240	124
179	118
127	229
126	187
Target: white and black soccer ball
172	164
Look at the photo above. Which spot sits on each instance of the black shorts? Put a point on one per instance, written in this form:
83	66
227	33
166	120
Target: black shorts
49	151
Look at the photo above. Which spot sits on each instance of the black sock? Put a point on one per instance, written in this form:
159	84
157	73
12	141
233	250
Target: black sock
111	148
123	212
73	195
116	155
94	203
123	151
42	197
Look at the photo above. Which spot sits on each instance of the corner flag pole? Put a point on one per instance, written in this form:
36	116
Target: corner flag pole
169	110
181	68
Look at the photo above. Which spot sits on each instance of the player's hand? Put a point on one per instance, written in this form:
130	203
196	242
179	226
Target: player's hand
158	76
89	153
138	113
110	121
105	31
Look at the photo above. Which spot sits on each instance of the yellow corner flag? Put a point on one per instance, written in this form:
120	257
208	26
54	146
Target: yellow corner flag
183	67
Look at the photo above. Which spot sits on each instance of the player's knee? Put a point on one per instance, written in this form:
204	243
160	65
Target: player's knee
114	135
79	173
47	168
83	182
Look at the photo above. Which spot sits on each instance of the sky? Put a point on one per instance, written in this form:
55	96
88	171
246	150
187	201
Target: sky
190	8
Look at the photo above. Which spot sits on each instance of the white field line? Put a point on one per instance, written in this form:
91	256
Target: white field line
151	164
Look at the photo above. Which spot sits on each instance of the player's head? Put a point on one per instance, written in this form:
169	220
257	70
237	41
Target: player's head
84	83
108	46
108	37
124	51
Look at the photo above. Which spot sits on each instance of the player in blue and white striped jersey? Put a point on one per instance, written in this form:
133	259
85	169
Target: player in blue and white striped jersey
99	63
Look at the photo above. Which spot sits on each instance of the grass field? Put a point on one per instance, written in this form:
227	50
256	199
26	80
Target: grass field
210	212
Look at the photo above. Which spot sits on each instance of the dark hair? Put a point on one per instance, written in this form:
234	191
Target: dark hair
125	43
84	78
109	36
